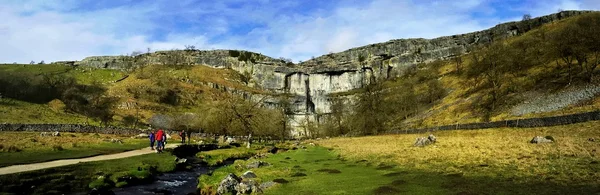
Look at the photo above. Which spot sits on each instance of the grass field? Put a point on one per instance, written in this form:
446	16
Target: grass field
496	161
84	176
30	147
316	170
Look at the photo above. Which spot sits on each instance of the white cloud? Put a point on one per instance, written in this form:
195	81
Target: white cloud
58	30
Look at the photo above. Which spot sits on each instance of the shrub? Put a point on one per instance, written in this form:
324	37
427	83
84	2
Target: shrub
56	105
13	149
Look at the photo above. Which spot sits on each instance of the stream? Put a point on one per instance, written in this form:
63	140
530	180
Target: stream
182	182
176	183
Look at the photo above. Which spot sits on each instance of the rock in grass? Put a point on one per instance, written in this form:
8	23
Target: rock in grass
229	184
248	174
540	140
248	187
423	141
257	164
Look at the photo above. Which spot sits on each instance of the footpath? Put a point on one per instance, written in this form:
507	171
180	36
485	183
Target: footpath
57	163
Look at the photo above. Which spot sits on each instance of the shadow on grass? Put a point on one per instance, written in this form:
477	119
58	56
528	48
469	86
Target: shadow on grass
409	182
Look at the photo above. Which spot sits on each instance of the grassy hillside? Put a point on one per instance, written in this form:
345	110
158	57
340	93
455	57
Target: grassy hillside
171	97
548	71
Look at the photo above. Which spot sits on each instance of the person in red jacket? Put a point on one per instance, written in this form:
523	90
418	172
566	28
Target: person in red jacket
160	145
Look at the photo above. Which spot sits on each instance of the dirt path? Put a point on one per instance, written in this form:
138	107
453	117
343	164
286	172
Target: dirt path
58	163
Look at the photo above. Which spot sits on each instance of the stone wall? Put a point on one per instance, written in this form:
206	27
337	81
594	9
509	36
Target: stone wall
520	123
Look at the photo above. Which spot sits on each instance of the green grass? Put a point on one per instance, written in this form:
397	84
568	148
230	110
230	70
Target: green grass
320	165
15	111
80	177
84	75
28	147
216	157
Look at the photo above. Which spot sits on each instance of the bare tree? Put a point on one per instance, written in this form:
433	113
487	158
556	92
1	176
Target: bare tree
245	113
526	17
457	53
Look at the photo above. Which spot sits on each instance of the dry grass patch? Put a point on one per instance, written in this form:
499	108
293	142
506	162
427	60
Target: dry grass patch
495	153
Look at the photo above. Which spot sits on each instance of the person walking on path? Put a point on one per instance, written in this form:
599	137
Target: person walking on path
182	135
160	135
152	139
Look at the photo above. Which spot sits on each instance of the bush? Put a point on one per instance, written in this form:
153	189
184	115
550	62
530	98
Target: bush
56	105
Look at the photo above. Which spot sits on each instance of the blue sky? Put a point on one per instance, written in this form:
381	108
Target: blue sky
53	30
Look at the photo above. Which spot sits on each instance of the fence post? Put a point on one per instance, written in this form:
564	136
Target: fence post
517	123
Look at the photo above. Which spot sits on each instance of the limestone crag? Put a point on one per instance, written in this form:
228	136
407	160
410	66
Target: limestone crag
312	81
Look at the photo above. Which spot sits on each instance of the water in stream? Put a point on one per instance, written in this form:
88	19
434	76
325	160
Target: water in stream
176	183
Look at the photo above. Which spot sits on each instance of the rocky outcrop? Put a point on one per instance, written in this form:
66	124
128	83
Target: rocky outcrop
312	82
424	141
229	184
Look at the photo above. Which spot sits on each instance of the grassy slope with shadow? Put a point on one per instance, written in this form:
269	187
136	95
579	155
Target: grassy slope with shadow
83	176
328	174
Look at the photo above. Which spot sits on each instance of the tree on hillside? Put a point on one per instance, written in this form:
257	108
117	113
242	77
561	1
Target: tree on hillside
526	17
369	112
457	53
285	113
338	115
489	66
91	101
246	113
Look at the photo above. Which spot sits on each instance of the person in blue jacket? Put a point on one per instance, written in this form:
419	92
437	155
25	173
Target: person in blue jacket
152	139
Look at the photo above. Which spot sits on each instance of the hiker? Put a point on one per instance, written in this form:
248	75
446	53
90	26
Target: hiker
152	139
160	135
182	135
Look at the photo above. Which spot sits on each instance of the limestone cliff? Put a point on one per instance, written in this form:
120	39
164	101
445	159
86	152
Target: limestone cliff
312	81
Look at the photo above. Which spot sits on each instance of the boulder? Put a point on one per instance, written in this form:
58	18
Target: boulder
540	140
248	175
247	187
266	185
257	164
180	160
423	141
56	133
230	140
229	184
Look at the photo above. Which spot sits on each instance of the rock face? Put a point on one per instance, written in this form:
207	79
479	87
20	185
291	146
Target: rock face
312	82
229	184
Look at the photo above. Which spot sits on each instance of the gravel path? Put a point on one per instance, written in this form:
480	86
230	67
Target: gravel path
58	163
